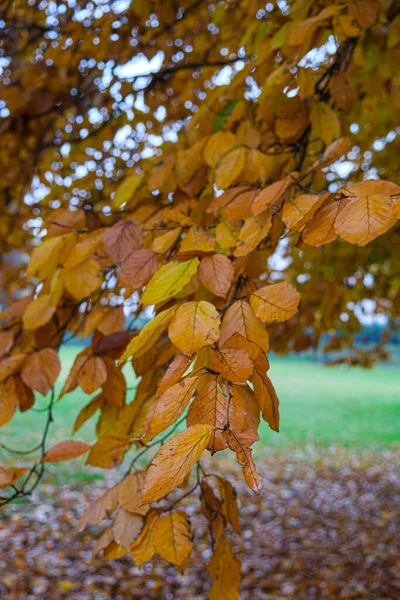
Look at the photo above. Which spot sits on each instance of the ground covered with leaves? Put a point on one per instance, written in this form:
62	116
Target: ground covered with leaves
323	527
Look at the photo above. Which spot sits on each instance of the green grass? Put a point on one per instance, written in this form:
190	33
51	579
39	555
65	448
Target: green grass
341	407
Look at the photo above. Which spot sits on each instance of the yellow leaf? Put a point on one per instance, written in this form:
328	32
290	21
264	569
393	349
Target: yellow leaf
39	312
173	538
169	280
148	336
275	303
230	168
82	281
165	241
143	548
194	325
108	452
218	145
297	211
224	569
325	124
84	249
127	189
254	230
170	405
174	461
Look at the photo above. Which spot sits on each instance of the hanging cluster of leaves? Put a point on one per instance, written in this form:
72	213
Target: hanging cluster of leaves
165	160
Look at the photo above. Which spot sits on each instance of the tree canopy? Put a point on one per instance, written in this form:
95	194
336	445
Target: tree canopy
223	170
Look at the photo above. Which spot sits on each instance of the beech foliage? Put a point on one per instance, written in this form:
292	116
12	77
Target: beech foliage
227	172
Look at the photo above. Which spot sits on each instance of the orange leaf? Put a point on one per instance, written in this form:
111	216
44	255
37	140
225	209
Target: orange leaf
41	370
267	399
365	218
66	450
11	364
93	374
9	475
130	493
269	195
240	318
8	400
174	461
174	372
240	442
216	273
233	364
275	303
108	452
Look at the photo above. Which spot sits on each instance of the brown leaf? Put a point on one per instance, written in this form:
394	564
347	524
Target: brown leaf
216	273
138	268
121	240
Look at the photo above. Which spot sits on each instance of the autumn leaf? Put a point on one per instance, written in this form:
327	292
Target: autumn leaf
365	218
240	318
143	548
148	335
266	398
233	364
170	405
173	538
275	303
41	370
39	312
193	326
175	371
8	476
138	268
66	450
8	400
254	230
169	280
108	451
126	527
216	273
121	240
11	364
230	168
84	279
174	460
224	569
93	374
130	493
240	441
100	509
